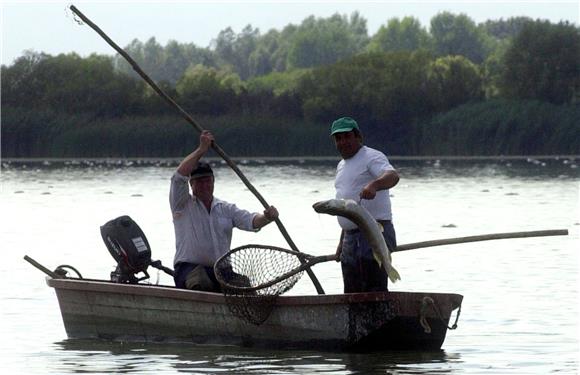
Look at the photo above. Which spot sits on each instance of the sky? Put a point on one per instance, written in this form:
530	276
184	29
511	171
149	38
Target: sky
49	26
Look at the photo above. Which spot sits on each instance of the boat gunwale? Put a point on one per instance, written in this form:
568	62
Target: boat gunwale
166	291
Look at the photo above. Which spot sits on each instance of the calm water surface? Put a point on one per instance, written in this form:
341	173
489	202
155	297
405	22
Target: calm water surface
520	310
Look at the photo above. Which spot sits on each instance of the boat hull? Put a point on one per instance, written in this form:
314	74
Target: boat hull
94	309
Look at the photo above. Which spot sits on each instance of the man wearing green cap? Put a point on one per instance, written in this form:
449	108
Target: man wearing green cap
364	175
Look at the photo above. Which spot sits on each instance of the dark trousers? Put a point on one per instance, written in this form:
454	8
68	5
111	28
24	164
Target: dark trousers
183	269
360	271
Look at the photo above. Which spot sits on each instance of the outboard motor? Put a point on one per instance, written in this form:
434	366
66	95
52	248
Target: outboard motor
129	246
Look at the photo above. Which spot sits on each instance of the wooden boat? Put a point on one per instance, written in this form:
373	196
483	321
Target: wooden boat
125	310
98	309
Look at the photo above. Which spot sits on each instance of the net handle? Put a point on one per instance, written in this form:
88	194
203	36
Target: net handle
306	259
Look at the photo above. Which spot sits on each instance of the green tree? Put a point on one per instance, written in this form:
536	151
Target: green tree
263	59
163	64
385	91
457	35
491	69
209	91
235	50
280	54
278	83
71	84
180	56
505	29
153	56
19	82
320	41
453	80
400	35
543	63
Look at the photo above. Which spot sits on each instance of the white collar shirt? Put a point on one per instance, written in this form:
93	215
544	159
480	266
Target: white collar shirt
201	237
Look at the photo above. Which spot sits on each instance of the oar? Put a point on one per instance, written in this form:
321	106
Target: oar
189	119
483	237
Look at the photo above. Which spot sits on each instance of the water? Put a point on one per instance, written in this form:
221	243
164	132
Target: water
520	309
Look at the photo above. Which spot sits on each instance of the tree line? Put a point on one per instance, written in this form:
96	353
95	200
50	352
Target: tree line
414	92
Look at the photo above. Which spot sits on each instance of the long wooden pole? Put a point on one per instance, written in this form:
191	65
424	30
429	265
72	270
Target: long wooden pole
189	119
483	237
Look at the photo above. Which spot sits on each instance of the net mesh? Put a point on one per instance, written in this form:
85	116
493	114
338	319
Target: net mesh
246	275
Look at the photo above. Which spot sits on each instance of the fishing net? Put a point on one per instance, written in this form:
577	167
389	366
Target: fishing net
253	276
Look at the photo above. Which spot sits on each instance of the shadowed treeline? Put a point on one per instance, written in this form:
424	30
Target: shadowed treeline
507	87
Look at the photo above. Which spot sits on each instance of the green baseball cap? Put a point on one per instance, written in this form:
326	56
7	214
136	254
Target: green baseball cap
342	125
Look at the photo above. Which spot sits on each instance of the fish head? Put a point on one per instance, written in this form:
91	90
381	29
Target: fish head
333	206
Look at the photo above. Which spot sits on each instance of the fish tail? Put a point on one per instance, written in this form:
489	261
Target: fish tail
393	274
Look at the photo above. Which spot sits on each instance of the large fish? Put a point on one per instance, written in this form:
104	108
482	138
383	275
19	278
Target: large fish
366	224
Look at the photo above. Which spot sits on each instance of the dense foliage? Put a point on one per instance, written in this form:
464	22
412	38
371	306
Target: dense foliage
543	63
461	88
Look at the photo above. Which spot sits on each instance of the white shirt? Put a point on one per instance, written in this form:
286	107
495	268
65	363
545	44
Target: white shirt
353	174
201	237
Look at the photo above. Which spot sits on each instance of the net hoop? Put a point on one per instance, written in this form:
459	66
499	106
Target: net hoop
253	276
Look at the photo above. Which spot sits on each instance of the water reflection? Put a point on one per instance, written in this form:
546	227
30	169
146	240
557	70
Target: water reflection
82	356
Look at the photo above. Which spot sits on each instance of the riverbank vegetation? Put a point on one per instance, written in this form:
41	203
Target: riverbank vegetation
507	87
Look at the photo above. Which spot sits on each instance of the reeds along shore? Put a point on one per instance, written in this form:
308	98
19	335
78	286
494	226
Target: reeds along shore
490	128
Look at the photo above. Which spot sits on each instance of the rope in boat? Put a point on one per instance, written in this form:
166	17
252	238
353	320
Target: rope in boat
61	270
428	301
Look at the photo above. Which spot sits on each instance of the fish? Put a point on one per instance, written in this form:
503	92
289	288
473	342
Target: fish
369	227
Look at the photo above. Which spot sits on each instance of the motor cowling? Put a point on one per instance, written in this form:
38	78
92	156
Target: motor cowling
128	245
